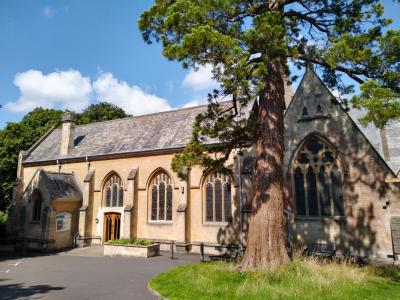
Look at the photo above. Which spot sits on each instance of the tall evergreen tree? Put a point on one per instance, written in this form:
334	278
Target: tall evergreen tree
249	43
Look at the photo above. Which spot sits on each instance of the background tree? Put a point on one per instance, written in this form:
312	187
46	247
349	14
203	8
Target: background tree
22	135
99	112
249	43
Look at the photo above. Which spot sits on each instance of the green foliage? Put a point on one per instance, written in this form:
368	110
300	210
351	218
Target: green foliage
3	218
130	242
382	103
99	112
244	39
302	279
22	135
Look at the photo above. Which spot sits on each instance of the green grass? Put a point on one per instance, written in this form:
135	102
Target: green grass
303	279
130	242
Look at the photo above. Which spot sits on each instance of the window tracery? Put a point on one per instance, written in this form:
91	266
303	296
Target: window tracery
218	198
318	182
113	192
161	194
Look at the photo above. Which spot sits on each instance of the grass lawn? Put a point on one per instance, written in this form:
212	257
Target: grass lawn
303	279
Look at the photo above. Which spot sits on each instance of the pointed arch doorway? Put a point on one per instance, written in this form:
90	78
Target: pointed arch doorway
112	226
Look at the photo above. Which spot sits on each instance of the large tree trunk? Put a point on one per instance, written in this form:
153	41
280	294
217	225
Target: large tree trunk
266	236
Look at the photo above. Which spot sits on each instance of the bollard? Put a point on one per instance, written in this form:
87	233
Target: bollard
172	250
202	251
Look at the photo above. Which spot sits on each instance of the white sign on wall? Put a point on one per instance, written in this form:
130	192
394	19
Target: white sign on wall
63	221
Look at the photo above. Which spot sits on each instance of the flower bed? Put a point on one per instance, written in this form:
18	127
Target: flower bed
136	248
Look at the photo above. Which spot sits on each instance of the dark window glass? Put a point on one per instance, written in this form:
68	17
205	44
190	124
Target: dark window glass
337	192
324	193
37	206
161	203
312	193
303	159
154	192
162	197
114	195
121	197
108	197
209	202
227	203
169	202
319	109
218	201
328	158
305	112
113	191
314	146
300	192
22	216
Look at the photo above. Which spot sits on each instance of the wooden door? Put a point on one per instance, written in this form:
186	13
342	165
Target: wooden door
112	225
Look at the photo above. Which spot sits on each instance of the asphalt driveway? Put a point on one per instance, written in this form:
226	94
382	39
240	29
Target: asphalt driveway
78	276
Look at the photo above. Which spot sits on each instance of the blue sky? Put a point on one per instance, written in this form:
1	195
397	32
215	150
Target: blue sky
67	54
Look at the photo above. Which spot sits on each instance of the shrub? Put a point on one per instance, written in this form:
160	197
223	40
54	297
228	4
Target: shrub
137	242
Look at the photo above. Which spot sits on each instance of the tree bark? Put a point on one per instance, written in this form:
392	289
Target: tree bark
266	236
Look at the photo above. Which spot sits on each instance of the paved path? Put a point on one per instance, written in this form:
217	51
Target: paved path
73	276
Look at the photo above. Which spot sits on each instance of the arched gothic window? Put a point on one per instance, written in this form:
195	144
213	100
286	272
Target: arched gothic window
36	206
161	197
318	180
218	198
113	192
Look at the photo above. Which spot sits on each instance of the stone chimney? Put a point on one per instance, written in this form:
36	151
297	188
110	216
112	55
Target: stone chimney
68	132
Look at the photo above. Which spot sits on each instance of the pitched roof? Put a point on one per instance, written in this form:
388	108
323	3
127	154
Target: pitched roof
159	131
61	185
374	135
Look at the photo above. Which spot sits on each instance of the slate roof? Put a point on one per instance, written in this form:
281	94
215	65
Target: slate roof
374	136
61	185
159	131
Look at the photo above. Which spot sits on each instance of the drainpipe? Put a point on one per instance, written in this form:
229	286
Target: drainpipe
239	155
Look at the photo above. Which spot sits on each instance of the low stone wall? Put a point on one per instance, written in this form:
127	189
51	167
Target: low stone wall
132	250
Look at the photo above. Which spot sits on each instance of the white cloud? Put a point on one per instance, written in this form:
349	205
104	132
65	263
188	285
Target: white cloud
48	12
71	90
60	89
131	98
195	102
200	80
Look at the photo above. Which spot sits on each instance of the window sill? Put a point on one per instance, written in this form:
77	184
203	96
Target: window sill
160	222
216	224
308	218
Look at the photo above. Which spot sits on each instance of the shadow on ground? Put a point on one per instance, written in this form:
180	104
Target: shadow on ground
19	291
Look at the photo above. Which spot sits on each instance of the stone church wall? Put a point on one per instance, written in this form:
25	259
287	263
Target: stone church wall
369	201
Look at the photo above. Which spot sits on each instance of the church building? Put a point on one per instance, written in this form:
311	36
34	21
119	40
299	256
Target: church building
93	183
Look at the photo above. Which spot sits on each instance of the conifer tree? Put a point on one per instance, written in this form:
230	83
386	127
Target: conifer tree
249	44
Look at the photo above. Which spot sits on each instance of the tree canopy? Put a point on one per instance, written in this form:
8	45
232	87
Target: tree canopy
250	45
240	38
102	111
22	135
